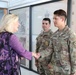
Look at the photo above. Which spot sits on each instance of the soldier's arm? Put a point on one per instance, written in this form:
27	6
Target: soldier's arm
44	54
38	43
73	52
37	47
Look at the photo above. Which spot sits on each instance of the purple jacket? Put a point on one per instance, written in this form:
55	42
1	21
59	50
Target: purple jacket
10	65
17	46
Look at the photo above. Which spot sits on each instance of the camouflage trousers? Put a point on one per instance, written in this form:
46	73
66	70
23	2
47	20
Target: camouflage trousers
43	70
58	73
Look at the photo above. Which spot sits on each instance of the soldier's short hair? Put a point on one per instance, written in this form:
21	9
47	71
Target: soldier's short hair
47	19
60	12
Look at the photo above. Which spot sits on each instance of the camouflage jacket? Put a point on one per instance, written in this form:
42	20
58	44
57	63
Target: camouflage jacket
62	51
43	40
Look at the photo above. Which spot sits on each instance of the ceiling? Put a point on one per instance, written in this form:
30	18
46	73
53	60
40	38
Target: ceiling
4	0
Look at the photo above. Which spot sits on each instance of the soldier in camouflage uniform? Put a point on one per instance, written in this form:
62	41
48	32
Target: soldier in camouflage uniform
62	47
43	40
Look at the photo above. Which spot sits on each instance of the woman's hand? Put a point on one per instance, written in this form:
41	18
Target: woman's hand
36	55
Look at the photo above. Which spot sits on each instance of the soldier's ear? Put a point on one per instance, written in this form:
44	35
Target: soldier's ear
62	17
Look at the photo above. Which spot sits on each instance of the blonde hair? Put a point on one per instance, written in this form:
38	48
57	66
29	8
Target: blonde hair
7	22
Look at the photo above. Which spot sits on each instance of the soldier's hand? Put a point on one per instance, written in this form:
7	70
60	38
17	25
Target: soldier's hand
49	66
74	73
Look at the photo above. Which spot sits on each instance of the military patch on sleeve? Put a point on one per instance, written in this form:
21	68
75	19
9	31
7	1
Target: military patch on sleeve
46	43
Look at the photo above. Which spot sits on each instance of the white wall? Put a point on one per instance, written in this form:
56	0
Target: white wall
73	16
3	4
19	3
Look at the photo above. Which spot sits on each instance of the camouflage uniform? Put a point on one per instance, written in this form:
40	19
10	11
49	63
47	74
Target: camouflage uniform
62	51
42	43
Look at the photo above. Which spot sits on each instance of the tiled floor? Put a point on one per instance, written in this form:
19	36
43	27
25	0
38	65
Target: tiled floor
27	72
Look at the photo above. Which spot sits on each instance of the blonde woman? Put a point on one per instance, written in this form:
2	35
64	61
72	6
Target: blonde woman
12	48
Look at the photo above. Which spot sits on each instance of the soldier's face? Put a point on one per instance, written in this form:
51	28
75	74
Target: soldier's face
57	21
45	25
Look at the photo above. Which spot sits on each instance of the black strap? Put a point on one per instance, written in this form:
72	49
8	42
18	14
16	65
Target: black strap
10	51
19	67
68	42
9	35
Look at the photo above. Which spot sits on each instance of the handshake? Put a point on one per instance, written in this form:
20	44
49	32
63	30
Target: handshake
36	55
